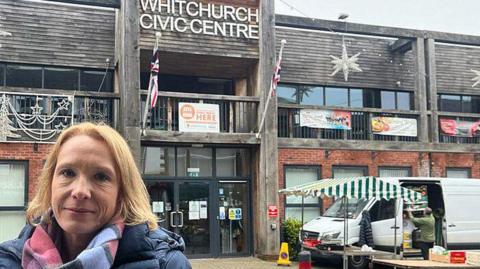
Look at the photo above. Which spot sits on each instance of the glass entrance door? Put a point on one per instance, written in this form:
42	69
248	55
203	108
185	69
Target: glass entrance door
233	217
212	217
184	208
194	202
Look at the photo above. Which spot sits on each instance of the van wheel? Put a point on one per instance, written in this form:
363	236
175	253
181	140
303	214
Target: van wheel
358	262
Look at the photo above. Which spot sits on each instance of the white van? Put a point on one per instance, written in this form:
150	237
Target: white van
458	227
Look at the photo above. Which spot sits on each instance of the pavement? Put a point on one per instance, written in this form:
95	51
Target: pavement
245	263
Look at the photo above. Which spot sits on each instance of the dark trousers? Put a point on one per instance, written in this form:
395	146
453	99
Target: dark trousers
424	247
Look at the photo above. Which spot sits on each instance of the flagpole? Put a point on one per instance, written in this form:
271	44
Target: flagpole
262	121
158	35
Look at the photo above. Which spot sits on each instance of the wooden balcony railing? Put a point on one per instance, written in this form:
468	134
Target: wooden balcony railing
361	129
238	114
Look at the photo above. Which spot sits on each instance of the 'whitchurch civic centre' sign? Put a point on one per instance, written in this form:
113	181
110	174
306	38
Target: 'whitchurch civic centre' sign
199	18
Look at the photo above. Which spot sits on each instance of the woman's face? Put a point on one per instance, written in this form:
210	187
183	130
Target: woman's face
85	186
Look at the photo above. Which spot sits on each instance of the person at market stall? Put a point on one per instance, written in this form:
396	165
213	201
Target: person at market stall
92	210
426	224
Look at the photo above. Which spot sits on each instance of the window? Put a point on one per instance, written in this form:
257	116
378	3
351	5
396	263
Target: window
232	162
296	175
336	97
459	103
349	171
310	95
382	209
394	171
2	74
194	162
459	172
286	94
61	78
344	97
91	80
388	100
24	76
450	103
13	180
356	98
159	161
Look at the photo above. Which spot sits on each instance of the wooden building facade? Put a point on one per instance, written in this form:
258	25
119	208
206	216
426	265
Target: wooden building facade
64	62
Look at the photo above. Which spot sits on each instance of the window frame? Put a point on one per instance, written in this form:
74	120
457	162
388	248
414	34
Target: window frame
286	205
409	168
78	70
350	167
25	194
462	103
468	169
374	93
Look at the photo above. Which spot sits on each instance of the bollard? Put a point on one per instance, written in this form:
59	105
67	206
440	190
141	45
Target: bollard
304	260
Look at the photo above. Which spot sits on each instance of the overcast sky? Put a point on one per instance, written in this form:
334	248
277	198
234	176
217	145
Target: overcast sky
453	16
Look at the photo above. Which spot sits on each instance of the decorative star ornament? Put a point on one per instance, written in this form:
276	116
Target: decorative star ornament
345	63
477	78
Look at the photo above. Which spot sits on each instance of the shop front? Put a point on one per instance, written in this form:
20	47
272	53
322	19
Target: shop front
203	194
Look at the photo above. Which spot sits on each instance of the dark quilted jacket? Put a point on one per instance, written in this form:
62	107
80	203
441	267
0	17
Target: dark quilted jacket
139	248
366	235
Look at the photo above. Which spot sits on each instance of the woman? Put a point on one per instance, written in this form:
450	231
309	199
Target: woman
92	210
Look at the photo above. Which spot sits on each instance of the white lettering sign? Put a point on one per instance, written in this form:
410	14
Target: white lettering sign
200	18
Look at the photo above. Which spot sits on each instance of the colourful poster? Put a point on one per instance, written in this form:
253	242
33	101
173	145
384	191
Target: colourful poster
394	126
327	119
453	127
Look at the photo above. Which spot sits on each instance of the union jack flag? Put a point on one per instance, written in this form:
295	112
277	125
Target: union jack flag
153	84
276	75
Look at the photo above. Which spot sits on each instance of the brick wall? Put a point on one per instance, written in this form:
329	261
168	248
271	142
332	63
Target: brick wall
26	152
420	163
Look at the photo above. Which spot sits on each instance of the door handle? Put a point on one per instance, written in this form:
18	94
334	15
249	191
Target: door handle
395	227
452	225
172	219
181	219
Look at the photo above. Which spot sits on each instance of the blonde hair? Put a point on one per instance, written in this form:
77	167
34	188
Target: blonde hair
133	196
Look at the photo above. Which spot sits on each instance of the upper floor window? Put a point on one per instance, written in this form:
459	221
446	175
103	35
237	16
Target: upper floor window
344	97
54	77
459	103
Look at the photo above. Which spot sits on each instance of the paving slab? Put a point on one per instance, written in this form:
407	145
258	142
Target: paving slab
245	263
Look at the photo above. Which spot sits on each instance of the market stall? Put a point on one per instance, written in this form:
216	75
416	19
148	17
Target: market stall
357	187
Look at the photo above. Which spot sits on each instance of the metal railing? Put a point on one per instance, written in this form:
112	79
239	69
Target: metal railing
361	129
238	114
41	117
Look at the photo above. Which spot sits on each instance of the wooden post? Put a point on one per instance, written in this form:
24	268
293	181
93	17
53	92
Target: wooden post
267	230
129	75
432	87
420	88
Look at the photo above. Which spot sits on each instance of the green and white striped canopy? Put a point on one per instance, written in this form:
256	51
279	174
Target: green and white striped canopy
356	187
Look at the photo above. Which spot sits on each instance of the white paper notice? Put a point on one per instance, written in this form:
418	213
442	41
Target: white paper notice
194	206
203	210
222	213
157	207
193	215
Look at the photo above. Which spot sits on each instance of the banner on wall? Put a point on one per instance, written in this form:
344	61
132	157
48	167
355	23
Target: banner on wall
453	127
194	117
394	126
327	119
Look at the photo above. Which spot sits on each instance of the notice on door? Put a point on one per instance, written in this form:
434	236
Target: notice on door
235	213
194	210
157	207
194	117
203	210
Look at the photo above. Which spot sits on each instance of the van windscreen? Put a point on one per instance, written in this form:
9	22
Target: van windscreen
355	207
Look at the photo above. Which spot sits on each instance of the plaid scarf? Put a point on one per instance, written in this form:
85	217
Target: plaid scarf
41	252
